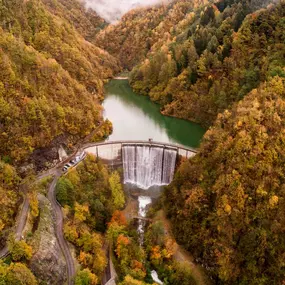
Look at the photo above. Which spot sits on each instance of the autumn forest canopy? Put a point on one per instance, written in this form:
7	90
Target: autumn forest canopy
220	63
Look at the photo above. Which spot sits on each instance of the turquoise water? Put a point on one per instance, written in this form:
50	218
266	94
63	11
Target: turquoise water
135	117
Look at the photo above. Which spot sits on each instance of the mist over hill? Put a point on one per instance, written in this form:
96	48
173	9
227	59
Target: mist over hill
113	10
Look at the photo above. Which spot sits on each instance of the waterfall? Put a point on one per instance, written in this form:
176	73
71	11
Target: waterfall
144	201
146	166
168	166
155	278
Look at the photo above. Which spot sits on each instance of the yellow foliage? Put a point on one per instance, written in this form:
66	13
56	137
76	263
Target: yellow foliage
155	253
85	258
81	212
34	204
122	242
2	225
273	201
19	249
228	209
70	232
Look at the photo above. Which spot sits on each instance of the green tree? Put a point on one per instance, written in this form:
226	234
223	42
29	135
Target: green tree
65	192
15	274
19	250
86	277
226	203
118	195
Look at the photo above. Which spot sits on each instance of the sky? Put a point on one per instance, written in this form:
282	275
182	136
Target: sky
113	10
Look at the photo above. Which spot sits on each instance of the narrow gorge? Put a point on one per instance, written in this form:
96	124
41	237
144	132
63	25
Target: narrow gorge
142	142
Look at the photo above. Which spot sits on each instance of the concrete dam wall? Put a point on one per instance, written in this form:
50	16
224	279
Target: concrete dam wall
144	163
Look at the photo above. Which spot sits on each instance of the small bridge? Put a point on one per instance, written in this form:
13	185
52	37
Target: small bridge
142	218
112	150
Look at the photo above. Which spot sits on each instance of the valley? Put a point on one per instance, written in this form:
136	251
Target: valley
179	110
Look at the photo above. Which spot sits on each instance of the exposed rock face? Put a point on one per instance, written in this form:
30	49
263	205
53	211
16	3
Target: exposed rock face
48	263
46	157
62	153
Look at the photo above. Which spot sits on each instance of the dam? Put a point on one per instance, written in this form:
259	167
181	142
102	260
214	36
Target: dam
145	163
146	166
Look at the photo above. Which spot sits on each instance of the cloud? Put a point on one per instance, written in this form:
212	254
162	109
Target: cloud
113	10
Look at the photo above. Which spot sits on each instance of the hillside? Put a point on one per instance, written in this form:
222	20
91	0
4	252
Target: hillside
86	21
51	86
218	63
227	203
213	60
196	58
52	78
134	36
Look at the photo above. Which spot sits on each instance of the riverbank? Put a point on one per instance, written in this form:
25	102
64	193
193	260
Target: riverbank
180	254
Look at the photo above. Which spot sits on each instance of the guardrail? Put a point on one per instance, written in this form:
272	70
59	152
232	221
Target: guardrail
139	142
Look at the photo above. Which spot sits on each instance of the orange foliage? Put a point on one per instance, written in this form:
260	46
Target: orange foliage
85	258
119	218
137	265
155	252
121	242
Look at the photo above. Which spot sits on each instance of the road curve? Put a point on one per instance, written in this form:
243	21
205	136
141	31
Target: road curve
19	226
22	217
59	231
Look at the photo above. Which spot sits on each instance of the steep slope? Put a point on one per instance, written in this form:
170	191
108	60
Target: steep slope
227	203
51	85
86	21
10	196
213	59
51	79
132	38
56	38
39	101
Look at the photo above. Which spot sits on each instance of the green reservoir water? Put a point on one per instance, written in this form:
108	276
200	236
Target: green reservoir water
135	117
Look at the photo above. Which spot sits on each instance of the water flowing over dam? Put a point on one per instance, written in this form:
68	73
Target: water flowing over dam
147	165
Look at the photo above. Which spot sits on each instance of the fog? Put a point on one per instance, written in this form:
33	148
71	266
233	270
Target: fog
113	10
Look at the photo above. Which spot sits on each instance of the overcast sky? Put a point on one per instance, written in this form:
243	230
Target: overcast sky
112	10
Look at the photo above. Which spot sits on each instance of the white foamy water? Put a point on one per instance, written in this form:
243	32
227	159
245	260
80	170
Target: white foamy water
147	166
143	202
155	277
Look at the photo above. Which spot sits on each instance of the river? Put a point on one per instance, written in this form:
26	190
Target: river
135	117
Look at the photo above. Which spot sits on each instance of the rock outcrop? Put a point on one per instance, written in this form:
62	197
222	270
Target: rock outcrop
48	263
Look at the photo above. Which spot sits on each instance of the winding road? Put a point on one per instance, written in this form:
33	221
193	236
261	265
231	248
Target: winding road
56	172
22	218
59	230
20	224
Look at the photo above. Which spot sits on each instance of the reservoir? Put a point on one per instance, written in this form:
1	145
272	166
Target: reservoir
135	117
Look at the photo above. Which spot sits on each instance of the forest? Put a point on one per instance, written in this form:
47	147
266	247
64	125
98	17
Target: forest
227	203
51	87
198	59
51	78
90	194
222	65
219	63
203	71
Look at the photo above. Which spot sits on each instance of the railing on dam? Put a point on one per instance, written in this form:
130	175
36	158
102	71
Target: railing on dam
112	150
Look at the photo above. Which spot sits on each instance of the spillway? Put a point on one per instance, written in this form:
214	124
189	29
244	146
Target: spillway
146	166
